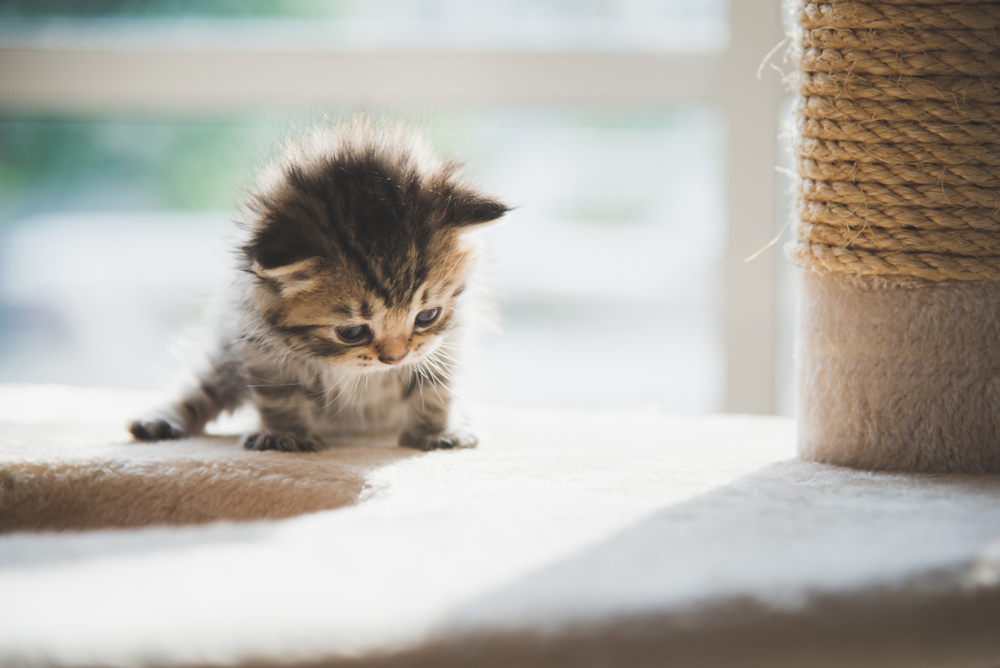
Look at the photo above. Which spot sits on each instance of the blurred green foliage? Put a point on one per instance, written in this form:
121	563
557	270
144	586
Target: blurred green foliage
167	8
119	164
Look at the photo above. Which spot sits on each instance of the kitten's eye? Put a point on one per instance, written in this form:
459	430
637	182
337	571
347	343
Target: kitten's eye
427	318
355	334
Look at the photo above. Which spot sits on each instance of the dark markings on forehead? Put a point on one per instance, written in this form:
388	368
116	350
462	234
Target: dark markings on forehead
376	210
394	280
366	310
403	266
363	266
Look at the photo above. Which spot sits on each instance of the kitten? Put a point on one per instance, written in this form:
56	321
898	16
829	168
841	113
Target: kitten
351	297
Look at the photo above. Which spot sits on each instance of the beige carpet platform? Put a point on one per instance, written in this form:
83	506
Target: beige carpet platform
567	539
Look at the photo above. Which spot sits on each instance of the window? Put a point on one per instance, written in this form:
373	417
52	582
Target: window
126	139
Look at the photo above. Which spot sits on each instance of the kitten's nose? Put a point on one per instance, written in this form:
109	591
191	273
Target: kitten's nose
391	360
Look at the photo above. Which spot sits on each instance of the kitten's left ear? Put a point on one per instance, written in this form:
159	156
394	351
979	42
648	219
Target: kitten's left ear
467	210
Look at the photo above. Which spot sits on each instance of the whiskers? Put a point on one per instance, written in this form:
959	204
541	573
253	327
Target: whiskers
424	377
347	388
437	369
361	397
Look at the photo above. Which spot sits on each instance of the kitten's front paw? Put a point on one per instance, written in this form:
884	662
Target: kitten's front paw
155	429
283	442
437	440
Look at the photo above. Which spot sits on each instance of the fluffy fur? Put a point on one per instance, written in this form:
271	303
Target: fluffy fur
348	308
901	375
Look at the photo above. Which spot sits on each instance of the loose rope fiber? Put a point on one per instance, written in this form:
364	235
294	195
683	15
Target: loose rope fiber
898	148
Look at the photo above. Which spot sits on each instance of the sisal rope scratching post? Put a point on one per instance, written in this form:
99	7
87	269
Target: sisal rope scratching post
898	155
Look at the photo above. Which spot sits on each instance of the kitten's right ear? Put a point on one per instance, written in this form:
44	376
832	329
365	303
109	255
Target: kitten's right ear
467	210
289	278
275	246
281	260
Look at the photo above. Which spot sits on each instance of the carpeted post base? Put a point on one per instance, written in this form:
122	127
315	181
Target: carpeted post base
900	374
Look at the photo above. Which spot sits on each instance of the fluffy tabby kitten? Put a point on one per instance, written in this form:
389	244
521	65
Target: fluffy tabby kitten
348	305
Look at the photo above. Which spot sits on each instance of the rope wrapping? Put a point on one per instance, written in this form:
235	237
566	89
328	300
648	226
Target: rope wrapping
898	148
913	40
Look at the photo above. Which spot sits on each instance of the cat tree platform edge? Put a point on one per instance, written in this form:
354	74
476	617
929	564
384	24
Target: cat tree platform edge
599	538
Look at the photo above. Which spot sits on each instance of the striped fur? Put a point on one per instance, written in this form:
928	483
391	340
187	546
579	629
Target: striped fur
347	311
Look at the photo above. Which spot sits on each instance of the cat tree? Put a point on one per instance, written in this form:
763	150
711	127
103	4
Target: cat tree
898	155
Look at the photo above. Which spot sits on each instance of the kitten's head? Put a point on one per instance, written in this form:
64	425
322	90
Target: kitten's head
357	247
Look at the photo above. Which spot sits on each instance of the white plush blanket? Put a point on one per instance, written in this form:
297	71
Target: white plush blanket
567	538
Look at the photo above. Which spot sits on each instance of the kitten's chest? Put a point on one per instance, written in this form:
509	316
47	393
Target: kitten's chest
361	404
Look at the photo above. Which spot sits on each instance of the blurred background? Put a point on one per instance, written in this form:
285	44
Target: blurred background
637	137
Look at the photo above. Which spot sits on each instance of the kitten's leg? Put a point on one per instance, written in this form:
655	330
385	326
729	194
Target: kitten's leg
285	411
221	388
434	422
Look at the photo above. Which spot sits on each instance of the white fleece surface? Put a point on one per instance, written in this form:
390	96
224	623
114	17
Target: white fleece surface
560	520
